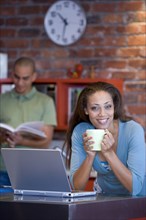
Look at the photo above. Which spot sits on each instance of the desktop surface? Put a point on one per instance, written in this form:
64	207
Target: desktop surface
102	207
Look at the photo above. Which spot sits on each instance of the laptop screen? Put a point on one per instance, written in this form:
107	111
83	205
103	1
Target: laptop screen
36	169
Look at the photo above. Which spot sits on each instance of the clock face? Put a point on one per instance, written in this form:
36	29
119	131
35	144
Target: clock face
65	22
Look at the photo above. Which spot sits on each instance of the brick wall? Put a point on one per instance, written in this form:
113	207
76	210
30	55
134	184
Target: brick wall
114	43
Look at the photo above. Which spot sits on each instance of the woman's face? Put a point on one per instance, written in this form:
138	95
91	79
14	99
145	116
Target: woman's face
100	108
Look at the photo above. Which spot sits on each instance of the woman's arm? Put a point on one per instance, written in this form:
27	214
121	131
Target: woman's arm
81	176
82	161
130	174
120	170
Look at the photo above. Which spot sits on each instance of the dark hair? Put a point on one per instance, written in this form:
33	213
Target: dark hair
79	112
25	61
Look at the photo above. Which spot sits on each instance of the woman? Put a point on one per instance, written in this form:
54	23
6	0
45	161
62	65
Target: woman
120	164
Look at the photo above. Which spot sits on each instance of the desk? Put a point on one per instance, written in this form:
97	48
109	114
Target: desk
97	207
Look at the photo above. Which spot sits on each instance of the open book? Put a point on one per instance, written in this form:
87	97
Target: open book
31	130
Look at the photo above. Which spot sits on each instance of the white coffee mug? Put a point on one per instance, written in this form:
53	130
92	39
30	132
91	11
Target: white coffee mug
97	136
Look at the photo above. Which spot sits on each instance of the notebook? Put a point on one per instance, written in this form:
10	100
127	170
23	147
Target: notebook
39	172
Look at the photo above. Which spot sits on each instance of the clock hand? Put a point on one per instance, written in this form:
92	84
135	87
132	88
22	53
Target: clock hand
63	32
63	19
65	24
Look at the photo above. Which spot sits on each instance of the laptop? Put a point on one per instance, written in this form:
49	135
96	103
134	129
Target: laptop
40	172
54	199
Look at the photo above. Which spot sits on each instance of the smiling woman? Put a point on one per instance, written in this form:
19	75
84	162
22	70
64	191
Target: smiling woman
100	106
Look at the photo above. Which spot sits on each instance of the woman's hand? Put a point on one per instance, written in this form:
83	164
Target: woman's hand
88	142
107	143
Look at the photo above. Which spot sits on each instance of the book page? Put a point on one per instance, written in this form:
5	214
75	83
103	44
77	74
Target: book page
38	125
32	134
6	127
30	130
34	128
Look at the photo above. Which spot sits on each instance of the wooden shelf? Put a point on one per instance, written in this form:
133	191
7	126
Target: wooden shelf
61	93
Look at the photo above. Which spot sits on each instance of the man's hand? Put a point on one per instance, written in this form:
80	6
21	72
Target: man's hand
14	139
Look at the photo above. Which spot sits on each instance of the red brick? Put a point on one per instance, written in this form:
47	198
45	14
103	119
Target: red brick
135	87
59	75
55	53
7	11
142	28
137	97
103	52
141	98
30	10
141	119
141	74
29	32
36	21
104	7
46	64
30	53
115	41
131	6
41	43
98	74
43	64
94	42
133	28
129	52
81	53
137	63
13	2
115	64
138	110
7	32
141	16
137	40
130	98
2	21
99	30
112	18
17	21
15	43
125	75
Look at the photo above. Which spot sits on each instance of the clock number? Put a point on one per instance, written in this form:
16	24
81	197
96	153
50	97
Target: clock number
52	31
79	12
79	30
58	36
66	4
58	7
73	37
81	22
74	6
50	22
53	14
64	40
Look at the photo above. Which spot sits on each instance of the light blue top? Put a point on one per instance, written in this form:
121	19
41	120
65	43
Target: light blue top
130	150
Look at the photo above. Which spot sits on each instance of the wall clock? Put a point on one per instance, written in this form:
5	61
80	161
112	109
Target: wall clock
65	22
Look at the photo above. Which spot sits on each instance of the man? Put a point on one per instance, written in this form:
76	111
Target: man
23	104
